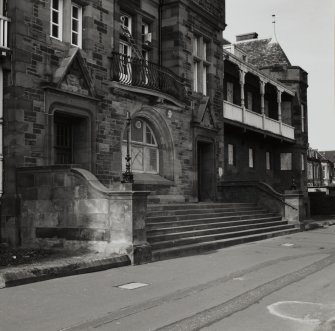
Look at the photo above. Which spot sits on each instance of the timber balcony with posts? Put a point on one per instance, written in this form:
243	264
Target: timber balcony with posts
139	73
258	121
254	100
4	22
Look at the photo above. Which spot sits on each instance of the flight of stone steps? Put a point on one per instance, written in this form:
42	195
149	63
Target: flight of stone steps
181	229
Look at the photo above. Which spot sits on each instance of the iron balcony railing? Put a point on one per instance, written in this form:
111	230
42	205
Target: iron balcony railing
142	73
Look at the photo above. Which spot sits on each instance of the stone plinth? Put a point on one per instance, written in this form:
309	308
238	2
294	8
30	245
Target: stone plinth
67	208
295	211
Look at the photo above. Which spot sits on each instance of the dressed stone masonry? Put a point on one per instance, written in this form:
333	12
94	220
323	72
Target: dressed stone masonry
67	208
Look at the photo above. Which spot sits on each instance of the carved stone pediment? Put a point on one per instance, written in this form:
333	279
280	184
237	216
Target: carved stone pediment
74	80
204	115
73	75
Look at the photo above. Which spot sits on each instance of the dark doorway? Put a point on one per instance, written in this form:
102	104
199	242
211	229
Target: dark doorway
71	142
206	171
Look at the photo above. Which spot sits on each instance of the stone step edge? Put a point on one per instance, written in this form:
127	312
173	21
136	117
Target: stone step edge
237	212
56	269
218	218
213	229
212	245
202	203
274	228
209	210
230	219
156	207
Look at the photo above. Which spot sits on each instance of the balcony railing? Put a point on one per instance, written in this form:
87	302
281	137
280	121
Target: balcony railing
272	126
242	115
4	32
141	73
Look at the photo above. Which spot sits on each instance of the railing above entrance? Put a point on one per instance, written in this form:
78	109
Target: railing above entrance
142	73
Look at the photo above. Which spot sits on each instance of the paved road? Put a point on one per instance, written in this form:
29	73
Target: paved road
282	284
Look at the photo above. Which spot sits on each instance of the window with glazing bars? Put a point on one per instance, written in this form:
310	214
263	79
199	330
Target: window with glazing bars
56	21
76	25
63	143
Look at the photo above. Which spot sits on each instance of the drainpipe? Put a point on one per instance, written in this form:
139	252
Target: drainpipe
1	131
1	114
115	31
160	9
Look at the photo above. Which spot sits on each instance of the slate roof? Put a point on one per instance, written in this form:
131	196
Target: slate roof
330	155
264	52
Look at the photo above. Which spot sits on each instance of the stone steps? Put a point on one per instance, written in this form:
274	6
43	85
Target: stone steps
213	237
198	248
182	229
180	226
213	231
205	221
203	217
181	212
194	206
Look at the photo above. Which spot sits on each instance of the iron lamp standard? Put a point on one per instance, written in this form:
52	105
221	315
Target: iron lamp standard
127	176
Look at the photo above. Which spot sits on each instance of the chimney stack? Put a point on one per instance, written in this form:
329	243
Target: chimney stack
247	36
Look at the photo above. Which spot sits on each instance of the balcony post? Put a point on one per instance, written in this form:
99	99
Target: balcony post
279	93
242	82
262	90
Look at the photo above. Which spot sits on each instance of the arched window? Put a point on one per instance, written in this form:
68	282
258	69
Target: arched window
144	148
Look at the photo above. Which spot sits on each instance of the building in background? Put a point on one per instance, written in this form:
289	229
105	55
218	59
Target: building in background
330	156
265	114
320	170
321	182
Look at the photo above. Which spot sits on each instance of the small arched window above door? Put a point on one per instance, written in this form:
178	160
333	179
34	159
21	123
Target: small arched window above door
144	148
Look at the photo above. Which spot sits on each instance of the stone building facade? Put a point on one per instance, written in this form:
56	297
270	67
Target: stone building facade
78	68
201	116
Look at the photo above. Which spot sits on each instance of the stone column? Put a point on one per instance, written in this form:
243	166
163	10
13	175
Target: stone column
262	90
242	83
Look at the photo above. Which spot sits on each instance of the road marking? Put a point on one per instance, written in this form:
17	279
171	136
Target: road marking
303	312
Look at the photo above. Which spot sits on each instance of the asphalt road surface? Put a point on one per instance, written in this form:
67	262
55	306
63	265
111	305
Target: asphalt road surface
280	284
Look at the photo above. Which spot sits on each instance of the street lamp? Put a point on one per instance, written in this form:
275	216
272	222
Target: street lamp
128	176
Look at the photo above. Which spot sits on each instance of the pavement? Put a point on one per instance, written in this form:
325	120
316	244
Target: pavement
55	267
72	265
319	221
279	284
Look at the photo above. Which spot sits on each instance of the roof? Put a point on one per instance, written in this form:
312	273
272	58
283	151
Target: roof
330	155
264	52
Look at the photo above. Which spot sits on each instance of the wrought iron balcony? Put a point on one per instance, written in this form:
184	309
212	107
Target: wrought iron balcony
141	73
4	33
